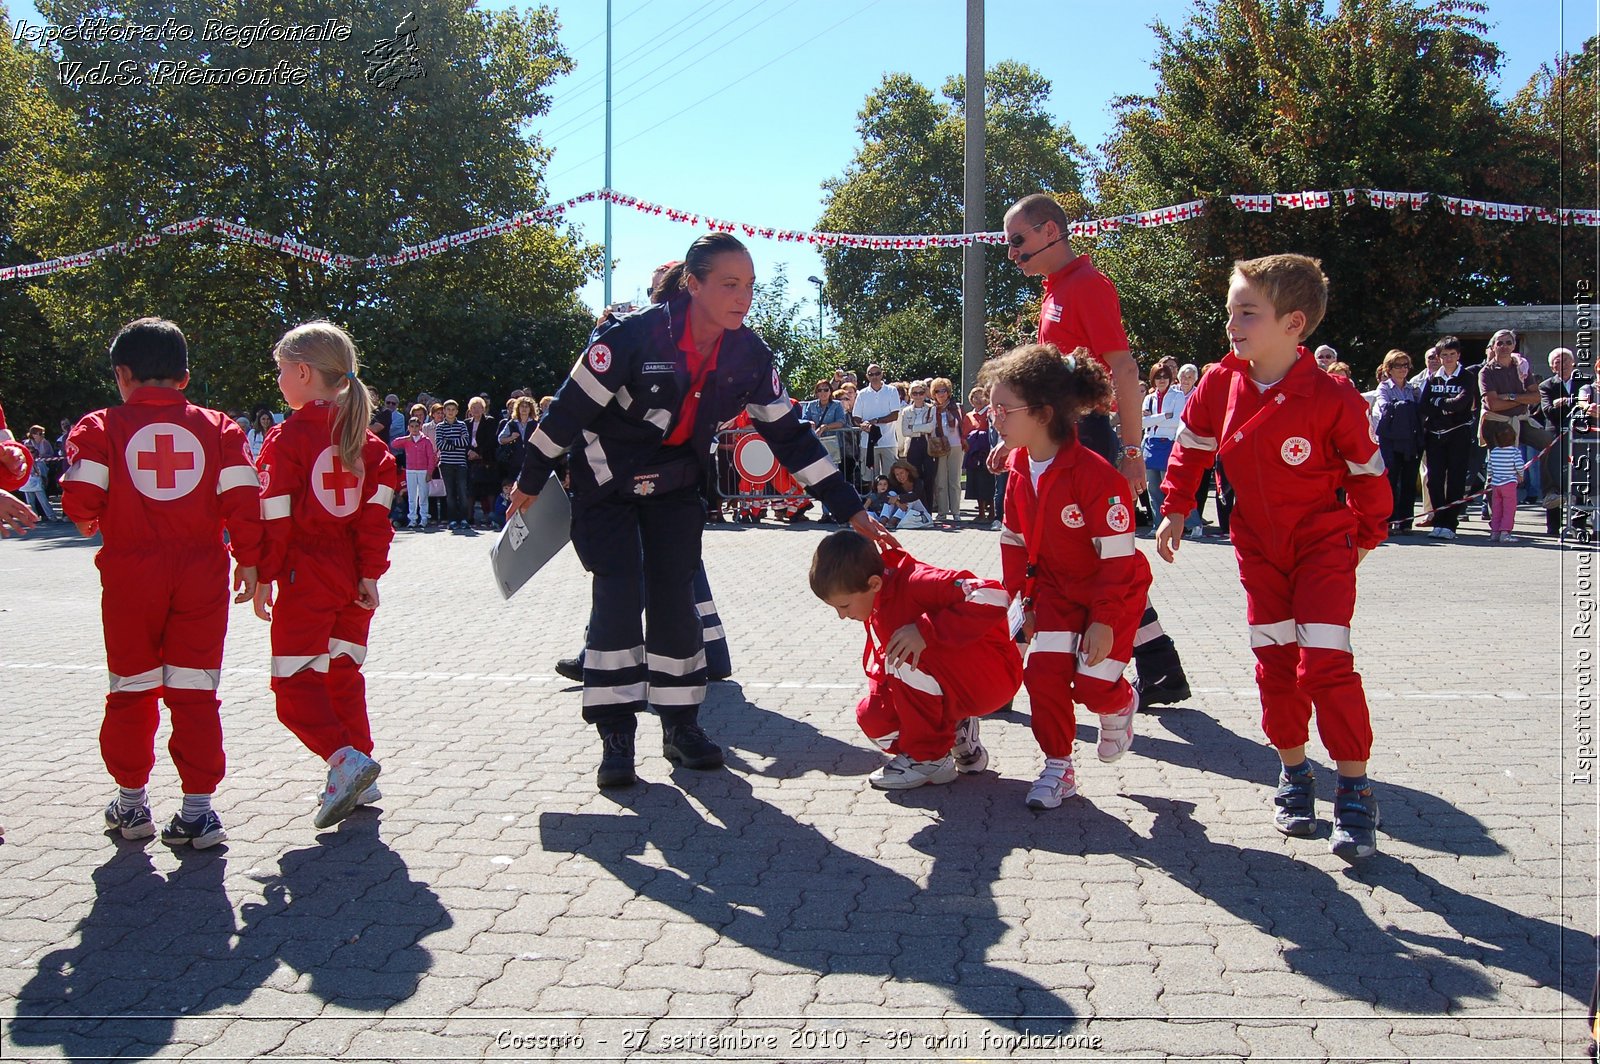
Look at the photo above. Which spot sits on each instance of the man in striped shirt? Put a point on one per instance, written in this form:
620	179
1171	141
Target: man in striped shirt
452	438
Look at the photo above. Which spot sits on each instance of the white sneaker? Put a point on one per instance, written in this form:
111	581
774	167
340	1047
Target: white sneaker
1447	533
350	772
997	526
969	753
1197	532
902	773
1058	781
1116	731
370	796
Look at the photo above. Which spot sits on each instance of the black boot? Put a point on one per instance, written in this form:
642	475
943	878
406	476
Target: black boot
571	668
684	743
616	758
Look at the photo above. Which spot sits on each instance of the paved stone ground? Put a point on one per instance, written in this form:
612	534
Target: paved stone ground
498	907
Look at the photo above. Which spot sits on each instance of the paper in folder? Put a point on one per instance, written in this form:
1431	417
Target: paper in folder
531	538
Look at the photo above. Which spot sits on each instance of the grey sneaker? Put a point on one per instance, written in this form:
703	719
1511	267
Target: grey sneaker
902	773
969	753
349	773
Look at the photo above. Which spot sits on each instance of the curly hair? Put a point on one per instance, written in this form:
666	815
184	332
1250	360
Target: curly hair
1039	374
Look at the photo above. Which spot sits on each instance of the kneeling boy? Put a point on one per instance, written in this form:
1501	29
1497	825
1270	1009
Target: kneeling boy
939	656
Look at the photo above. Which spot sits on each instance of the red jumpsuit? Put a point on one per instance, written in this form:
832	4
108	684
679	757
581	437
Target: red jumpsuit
162	478
9	446
970	667
1287	451
327	528
1076	533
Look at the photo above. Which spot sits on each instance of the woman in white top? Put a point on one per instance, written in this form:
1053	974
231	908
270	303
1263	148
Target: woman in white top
1163	412
915	424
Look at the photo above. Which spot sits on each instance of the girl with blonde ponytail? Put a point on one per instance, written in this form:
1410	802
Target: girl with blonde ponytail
329	485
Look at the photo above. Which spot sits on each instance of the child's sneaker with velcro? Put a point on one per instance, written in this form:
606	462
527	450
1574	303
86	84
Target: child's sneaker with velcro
970	755
1056	783
133	824
1116	731
201	832
902	773
1296	800
1355	824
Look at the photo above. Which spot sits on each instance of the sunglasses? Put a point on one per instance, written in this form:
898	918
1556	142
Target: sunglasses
1016	240
941	391
1000	413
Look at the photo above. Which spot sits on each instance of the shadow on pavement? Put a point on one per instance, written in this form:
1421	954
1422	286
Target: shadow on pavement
155	948
747	870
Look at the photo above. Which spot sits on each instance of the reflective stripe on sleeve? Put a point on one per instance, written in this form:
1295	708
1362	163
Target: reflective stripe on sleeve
178	678
768	412
382	495
660	417
1323	636
1009	538
885	741
148	680
275	507
84	471
546	446
1372	467
1119	546
1275	634
590	384
987	596
815	473
1196	443
237	476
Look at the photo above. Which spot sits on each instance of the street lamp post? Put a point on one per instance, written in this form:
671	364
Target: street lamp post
814	279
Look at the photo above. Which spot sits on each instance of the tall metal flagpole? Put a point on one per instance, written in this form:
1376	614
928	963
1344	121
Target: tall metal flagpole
972	310
608	152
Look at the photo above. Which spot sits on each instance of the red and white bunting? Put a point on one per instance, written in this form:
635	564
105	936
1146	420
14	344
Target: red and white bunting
1089	228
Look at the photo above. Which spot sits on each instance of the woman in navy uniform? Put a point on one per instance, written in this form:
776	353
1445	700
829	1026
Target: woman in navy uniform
638	413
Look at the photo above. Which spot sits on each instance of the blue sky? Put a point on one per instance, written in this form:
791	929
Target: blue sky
742	108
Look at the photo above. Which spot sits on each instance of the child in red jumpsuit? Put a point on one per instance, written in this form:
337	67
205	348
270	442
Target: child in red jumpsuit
1292	436
939	656
1066	547
329	486
159	479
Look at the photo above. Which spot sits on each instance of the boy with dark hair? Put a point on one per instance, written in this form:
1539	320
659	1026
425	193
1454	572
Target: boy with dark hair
939	655
1449	428
160	479
1292	436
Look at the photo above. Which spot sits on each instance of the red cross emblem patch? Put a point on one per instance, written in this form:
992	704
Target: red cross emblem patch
336	488
599	358
1296	449
1118	518
1071	516
165	461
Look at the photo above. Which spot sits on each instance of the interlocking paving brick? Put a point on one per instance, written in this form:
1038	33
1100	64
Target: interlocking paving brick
494	890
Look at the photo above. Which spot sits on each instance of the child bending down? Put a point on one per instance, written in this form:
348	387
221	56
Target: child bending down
938	656
1067	550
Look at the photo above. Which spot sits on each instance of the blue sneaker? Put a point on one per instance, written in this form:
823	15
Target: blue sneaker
202	832
1355	825
133	823
1297	803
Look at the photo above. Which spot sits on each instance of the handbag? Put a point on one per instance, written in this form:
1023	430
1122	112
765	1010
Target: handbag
436	487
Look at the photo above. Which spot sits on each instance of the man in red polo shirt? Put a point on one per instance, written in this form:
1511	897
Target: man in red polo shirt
1081	309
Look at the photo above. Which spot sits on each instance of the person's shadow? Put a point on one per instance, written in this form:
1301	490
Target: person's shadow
754	875
150	949
154	948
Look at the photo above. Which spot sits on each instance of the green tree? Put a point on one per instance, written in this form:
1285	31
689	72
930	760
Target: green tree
332	159
906	177
37	383
1258	96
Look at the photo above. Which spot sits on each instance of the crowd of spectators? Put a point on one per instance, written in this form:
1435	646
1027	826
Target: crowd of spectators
918	454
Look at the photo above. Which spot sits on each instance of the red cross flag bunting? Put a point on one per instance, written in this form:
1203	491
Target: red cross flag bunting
336	488
164	461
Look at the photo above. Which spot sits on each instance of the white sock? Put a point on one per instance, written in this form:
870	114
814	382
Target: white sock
195	806
130	798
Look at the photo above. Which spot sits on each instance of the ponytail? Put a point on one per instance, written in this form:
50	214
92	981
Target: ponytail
330	351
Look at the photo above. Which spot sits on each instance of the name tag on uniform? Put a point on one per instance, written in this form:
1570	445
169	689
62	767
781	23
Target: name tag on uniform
1016	617
660	367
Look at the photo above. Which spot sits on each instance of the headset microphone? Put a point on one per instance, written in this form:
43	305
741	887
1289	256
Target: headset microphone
1028	257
